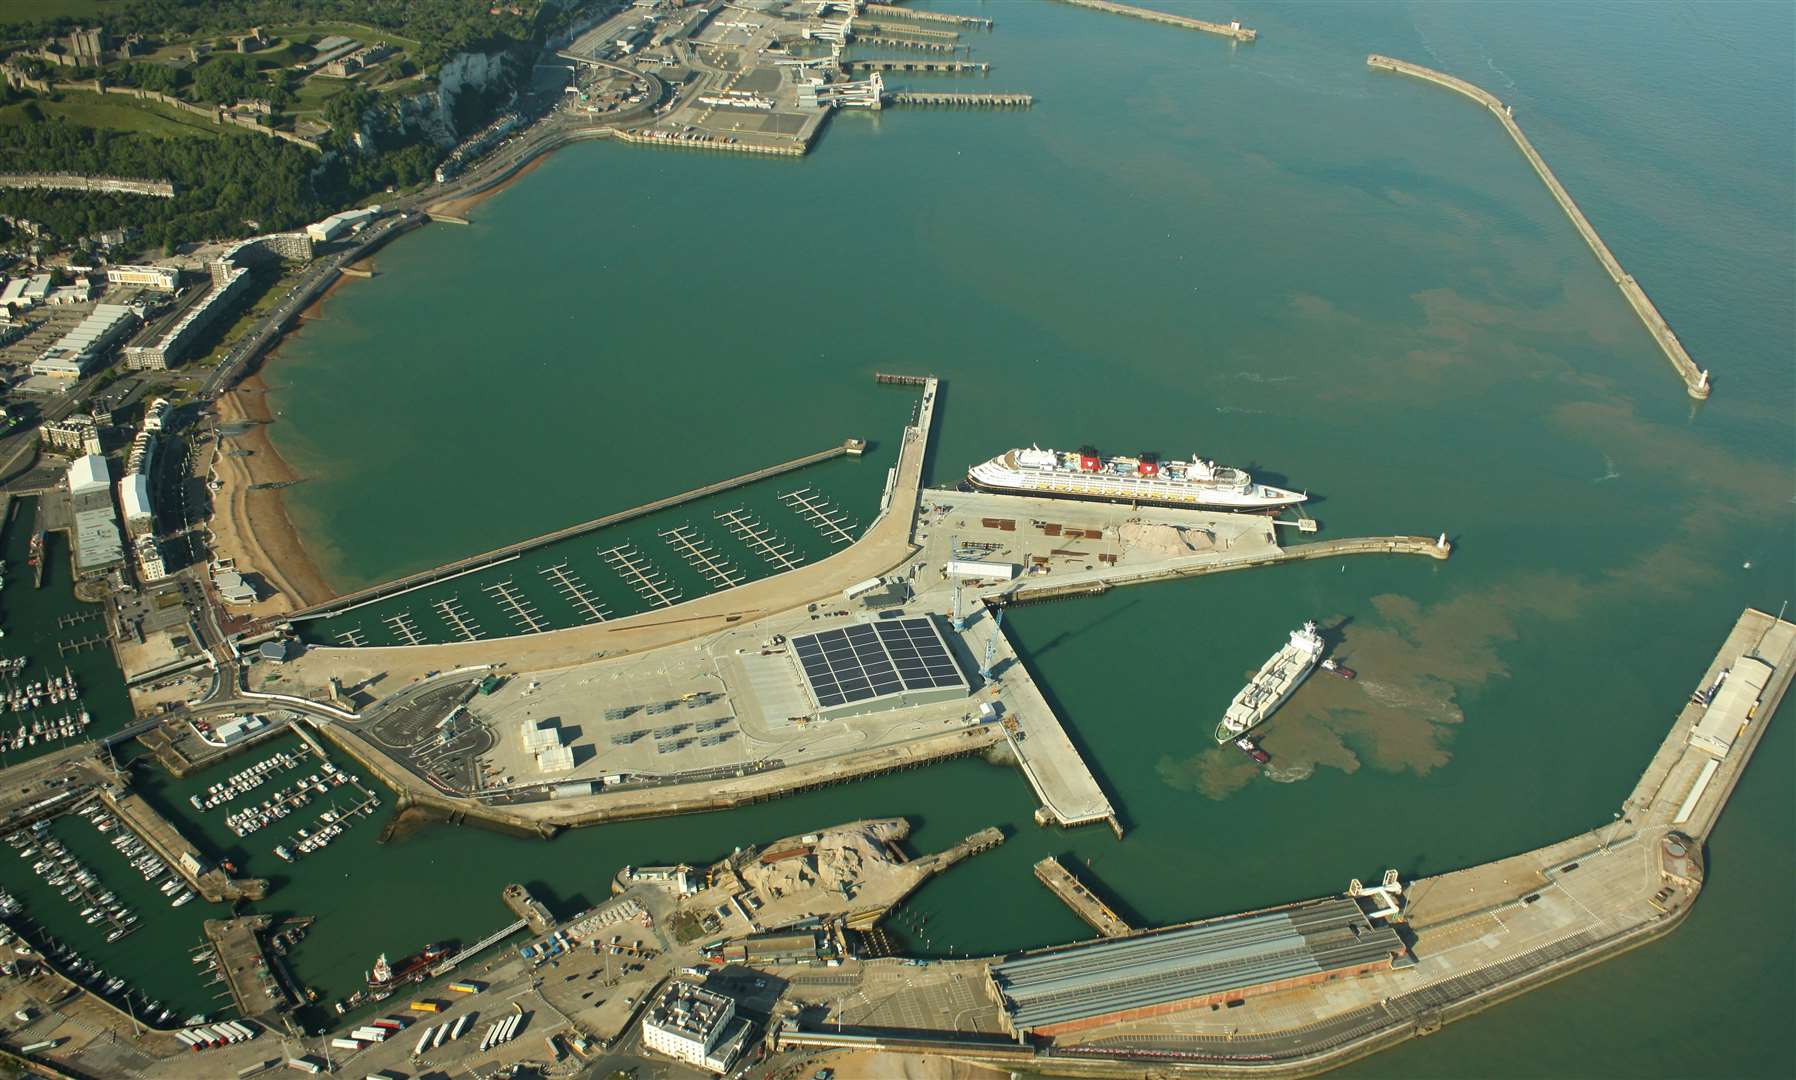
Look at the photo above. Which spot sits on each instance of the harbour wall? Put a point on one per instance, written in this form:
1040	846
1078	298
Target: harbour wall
544	819
1101	582
1232	29
1696	379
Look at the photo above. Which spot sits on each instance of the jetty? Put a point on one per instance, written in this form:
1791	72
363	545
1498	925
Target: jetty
939	67
1231	29
209	881
890	11
1075	895
975	100
250	977
1696	379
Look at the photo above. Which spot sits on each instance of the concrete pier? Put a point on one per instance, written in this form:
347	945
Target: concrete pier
910	15
1070	795
940	67
475	562
1085	903
1232	29
248	975
212	884
1696	379
962	100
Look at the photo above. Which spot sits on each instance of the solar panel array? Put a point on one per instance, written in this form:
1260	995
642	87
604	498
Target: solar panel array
869	660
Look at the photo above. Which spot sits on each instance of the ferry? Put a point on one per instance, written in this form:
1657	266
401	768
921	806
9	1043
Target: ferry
1143	479
1274	682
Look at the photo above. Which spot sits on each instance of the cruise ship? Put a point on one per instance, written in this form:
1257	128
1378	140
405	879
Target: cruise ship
1143	479
1267	690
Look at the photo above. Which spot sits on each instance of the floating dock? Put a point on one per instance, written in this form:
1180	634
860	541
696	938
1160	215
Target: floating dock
1232	29
1085	903
1696	379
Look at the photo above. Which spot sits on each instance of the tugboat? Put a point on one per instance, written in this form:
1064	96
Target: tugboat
1247	746
1342	670
411	969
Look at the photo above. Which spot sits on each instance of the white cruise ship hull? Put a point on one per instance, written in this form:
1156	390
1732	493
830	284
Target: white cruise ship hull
1007	475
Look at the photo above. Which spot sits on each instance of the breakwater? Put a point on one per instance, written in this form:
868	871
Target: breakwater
1231	29
1696	379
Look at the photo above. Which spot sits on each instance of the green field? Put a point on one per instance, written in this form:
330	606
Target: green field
117	113
16	11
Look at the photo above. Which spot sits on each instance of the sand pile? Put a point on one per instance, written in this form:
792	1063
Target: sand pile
1164	541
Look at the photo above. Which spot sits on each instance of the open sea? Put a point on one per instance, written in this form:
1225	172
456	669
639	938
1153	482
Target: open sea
1347	280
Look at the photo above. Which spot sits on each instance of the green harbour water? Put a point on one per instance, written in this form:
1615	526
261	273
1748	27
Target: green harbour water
1347	280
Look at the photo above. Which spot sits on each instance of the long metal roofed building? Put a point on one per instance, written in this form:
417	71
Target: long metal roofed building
871	666
1076	987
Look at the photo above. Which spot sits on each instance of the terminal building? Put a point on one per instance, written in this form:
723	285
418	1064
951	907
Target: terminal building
164	278
338	225
82	349
874	666
1221	961
98	547
1735	704
697	1026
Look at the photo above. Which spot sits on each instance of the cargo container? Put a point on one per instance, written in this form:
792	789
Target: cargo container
461	1025
426	1006
369	1034
388	1023
866	586
242	1028
442	1035
423	1041
345	1044
467	986
305	1065
188	1040
39	1047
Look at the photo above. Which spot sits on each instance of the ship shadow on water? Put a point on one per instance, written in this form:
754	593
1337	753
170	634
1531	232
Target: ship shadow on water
1115	792
1263	475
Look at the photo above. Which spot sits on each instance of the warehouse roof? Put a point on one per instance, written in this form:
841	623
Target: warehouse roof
1238	953
88	472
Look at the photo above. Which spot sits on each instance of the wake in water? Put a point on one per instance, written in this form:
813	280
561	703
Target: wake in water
1239	411
1609	472
1258	377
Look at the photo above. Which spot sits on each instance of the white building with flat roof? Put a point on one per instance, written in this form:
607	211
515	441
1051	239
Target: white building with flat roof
339	224
165	278
692	1024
